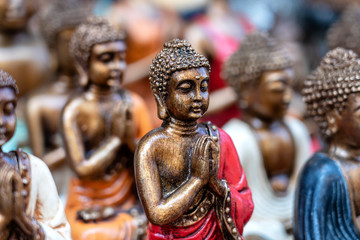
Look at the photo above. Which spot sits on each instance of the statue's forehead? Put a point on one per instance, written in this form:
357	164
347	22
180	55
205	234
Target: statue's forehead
7	93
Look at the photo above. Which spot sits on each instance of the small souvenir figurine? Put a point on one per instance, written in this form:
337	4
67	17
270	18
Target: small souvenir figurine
58	21
328	196
345	32
271	147
100	128
29	205
188	175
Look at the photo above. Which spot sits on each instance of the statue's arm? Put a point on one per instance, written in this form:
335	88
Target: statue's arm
161	210
33	118
99	159
54	157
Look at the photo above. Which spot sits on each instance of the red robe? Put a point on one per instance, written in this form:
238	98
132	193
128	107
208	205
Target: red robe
240	204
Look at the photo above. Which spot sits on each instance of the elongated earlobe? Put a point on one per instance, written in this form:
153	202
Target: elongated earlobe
83	76
332	123
161	109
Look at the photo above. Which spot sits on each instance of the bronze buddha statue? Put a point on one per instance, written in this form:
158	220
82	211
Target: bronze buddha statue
100	128
189	179
272	146
328	199
57	24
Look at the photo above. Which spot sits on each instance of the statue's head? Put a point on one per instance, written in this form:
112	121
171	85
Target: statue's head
179	79
345	32
99	50
261	74
332	96
57	23
8	92
15	14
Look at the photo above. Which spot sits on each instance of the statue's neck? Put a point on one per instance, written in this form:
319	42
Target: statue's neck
257	120
180	127
338	150
100	91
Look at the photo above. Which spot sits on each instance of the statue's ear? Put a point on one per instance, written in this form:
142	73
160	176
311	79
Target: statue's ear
332	118
83	76
161	109
245	99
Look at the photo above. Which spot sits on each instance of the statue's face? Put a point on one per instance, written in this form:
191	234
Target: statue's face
14	14
271	98
348	124
188	97
107	64
7	114
66	61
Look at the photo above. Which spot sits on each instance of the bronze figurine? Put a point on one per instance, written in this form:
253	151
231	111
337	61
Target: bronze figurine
100	128
57	24
328	199
271	147
189	179
29	205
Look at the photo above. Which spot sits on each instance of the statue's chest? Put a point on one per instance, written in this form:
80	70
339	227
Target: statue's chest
278	150
94	121
174	165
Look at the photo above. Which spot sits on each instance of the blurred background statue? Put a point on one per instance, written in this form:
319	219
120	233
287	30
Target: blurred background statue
271	147
328	196
100	128
57	24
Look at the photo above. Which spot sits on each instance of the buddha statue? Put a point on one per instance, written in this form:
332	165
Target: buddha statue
271	147
345	32
57	24
29	205
189	179
100	128
327	197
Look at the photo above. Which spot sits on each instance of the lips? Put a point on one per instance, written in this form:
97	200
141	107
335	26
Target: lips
196	108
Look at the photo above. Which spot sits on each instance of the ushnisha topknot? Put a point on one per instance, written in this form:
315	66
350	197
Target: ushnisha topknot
95	30
345	32
60	15
328	87
6	80
176	55
257	54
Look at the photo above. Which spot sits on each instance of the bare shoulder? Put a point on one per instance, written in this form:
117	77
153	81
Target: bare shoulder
151	141
74	106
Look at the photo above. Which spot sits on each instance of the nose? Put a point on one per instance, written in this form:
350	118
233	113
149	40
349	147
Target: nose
118	65
197	94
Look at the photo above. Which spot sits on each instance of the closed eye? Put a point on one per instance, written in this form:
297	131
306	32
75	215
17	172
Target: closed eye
106	57
204	84
185	86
